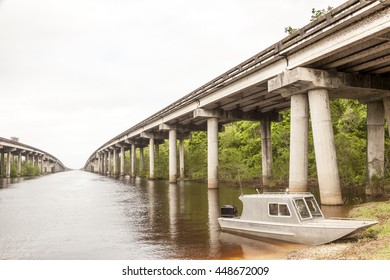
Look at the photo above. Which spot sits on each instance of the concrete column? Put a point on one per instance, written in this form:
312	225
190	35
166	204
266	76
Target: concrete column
109	162
212	153
104	163
299	143
19	163
114	162
375	141
266	150
42	171
8	165
172	156
151	158
141	161
1	163
122	161
132	156
181	159
324	146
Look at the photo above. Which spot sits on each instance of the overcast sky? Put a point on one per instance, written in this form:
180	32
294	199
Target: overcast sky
76	73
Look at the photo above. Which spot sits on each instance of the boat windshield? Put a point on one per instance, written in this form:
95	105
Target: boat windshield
313	207
301	207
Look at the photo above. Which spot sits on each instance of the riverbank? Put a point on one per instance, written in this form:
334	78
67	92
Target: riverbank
371	244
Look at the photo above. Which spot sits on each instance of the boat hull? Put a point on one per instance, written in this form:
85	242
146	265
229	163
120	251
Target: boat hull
314	232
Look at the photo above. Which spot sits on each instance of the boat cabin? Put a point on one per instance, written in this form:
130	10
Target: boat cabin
280	207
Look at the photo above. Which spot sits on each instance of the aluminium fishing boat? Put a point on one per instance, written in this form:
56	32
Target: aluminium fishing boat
292	217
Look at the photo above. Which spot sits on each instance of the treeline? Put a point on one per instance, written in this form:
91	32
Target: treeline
240	149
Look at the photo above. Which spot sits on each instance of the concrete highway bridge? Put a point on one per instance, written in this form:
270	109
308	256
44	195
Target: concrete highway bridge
9	149
343	54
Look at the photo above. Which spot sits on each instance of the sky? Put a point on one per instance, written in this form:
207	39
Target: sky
76	73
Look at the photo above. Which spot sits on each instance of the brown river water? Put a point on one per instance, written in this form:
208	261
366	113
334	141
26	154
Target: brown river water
78	215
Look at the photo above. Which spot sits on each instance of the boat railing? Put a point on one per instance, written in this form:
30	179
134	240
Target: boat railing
280	193
351	219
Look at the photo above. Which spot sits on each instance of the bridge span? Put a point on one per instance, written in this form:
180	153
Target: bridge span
343	54
9	149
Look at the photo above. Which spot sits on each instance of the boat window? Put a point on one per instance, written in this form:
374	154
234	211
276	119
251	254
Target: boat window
283	210
273	209
313	206
302	208
278	209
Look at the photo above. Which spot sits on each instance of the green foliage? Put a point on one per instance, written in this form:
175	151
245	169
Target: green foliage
196	156
29	170
315	14
239	151
161	161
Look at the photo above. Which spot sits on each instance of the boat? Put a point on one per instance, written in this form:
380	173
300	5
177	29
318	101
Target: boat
292	217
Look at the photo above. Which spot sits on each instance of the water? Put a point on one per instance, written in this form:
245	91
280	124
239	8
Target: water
79	215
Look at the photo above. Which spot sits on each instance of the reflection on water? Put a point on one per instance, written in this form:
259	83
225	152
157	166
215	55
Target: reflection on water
79	215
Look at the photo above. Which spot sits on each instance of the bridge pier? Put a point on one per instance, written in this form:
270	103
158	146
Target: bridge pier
375	142
115	157
299	143
104	162
8	165
151	158
319	84
122	161
1	163
181	159
172	156
212	153
324	147
132	160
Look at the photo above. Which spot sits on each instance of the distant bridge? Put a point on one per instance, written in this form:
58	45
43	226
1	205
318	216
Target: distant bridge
343	54
9	149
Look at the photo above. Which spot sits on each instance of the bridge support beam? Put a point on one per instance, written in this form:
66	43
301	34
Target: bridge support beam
132	160
324	147
212	153
1	163
8	165
104	163
299	143
115	156
151	158
122	161
375	142
172	156
181	159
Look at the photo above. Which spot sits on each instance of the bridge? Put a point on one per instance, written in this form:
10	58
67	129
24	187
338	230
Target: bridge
343	54
9	149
